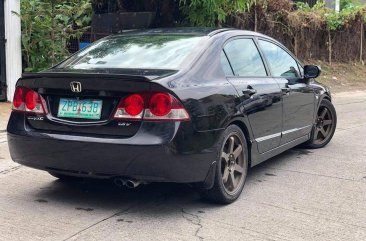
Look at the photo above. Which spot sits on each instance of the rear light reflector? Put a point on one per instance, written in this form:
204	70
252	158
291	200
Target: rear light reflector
27	100
156	106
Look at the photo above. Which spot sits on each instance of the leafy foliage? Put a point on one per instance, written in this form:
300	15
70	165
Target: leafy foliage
211	13
348	13
214	12
47	25
334	20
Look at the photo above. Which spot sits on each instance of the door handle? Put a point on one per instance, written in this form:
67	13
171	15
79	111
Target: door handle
286	90
249	91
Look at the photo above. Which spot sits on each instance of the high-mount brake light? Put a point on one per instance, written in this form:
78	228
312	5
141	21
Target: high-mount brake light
27	100
157	106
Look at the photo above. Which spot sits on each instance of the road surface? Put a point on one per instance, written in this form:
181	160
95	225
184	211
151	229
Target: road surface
300	195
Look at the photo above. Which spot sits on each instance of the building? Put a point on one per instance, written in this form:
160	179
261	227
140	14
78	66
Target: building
10	48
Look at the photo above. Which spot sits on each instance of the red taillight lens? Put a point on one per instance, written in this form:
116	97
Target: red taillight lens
134	104
31	100
18	98
160	104
130	107
28	100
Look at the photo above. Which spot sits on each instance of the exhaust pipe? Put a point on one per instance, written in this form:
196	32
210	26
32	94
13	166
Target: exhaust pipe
119	182
129	183
132	183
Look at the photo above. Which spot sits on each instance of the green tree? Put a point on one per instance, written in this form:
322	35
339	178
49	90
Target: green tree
210	13
47	26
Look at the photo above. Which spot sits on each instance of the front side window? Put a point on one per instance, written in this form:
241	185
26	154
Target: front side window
135	52
280	62
244	58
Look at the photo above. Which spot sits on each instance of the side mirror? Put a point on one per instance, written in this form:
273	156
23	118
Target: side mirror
312	71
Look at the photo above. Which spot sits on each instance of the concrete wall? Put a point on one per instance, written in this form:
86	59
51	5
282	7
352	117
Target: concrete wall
13	45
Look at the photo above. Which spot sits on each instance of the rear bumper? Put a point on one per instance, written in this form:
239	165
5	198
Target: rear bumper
184	158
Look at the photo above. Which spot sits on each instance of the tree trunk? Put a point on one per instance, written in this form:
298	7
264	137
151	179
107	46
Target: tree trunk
361	41
296	45
329	47
53	32
255	19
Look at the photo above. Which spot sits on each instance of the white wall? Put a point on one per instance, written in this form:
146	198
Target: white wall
13	45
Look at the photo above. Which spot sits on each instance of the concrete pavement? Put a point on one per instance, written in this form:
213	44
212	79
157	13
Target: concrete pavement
300	195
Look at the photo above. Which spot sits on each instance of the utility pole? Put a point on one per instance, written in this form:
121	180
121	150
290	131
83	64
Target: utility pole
337	5
13	48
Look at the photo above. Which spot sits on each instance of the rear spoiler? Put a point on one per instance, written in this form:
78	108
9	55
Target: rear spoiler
87	75
128	74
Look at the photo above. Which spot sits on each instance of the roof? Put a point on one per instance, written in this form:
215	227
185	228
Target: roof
198	31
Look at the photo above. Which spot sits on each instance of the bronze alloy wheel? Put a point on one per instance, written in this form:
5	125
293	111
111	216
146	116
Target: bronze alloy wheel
231	167
323	126
232	164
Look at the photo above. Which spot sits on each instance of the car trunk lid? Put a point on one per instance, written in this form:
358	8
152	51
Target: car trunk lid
106	89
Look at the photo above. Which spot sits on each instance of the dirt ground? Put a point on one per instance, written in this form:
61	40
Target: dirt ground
341	77
5	109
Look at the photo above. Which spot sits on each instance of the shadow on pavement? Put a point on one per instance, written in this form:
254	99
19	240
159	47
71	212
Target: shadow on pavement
88	195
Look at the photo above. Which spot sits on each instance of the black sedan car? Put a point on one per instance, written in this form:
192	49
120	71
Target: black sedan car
197	106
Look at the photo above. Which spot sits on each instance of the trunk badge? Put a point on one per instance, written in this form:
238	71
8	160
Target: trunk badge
124	124
75	87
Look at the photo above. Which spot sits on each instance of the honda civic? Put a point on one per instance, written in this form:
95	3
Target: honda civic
186	105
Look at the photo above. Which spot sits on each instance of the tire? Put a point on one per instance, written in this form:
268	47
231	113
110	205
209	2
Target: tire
63	177
232	164
324	127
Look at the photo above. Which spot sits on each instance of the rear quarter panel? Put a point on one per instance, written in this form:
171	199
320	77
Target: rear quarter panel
210	99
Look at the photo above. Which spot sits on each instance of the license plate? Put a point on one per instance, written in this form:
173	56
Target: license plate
83	109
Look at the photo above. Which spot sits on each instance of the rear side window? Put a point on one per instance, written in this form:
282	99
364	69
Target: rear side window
226	65
280	62
245	58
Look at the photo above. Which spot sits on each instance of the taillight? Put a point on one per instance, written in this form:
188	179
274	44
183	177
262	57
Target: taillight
163	106
130	107
160	104
155	106
18	101
27	100
134	104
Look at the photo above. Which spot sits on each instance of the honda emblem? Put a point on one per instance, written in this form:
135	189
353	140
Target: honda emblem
75	87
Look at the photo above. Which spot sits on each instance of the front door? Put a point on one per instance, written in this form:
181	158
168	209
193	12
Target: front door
2	53
260	95
298	97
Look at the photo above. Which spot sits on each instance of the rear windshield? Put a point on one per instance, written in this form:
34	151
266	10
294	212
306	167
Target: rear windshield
135	52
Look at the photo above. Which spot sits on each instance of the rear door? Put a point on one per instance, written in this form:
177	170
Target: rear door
260	95
298	96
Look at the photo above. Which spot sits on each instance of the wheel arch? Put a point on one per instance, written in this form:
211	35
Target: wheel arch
326	96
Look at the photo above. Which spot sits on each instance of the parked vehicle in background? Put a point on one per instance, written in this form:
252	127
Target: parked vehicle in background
170	105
